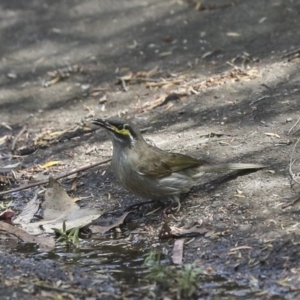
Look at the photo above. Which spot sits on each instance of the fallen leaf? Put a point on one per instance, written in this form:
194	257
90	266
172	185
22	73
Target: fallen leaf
9	168
51	164
79	218
178	251
57	201
28	211
7	214
95	228
45	243
58	208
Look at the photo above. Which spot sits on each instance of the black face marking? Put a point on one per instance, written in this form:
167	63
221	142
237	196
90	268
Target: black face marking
122	130
120	126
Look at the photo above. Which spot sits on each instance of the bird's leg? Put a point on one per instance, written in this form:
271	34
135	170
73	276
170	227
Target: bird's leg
177	199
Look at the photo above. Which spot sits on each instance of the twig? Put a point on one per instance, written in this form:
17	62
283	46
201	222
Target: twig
264	97
17	137
291	55
293	126
292	162
266	86
241	248
58	289
123	83
144	79
259	99
41	182
291	203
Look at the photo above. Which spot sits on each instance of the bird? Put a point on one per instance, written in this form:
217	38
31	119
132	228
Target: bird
151	172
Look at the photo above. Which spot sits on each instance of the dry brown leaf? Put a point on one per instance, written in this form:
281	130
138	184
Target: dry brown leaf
7	214
57	201
78	218
58	208
28	211
45	243
95	228
178	251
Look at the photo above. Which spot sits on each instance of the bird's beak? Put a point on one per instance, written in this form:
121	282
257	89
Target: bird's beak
104	124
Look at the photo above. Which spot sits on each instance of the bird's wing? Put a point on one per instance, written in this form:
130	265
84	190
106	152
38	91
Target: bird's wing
167	164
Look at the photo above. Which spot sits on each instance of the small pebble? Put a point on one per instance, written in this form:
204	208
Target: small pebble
245	227
12	75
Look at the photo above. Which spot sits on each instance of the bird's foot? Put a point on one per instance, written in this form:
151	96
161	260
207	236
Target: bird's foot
176	200
178	205
174	206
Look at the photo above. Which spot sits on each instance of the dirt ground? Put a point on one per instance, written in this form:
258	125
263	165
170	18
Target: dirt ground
234	75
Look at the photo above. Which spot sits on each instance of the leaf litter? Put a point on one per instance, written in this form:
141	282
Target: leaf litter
185	83
155	78
61	74
59	211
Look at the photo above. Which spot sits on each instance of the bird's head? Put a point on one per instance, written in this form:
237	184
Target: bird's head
121	131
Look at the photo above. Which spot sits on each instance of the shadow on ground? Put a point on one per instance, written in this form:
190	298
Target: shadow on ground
245	119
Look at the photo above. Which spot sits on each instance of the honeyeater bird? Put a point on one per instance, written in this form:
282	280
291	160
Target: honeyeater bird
153	173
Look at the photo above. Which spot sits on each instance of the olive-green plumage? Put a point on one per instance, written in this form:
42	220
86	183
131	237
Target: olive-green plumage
151	172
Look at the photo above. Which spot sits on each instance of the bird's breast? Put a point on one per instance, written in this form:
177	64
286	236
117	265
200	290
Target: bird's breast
145	186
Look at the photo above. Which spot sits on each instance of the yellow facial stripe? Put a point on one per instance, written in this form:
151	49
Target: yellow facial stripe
122	131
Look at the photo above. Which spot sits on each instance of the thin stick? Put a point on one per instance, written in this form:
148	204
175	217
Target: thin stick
293	126
27	186
58	289
292	162
292	53
264	97
291	203
17	137
259	99
123	83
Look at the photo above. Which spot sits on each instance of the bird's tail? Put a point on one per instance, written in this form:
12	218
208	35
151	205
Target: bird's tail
227	166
